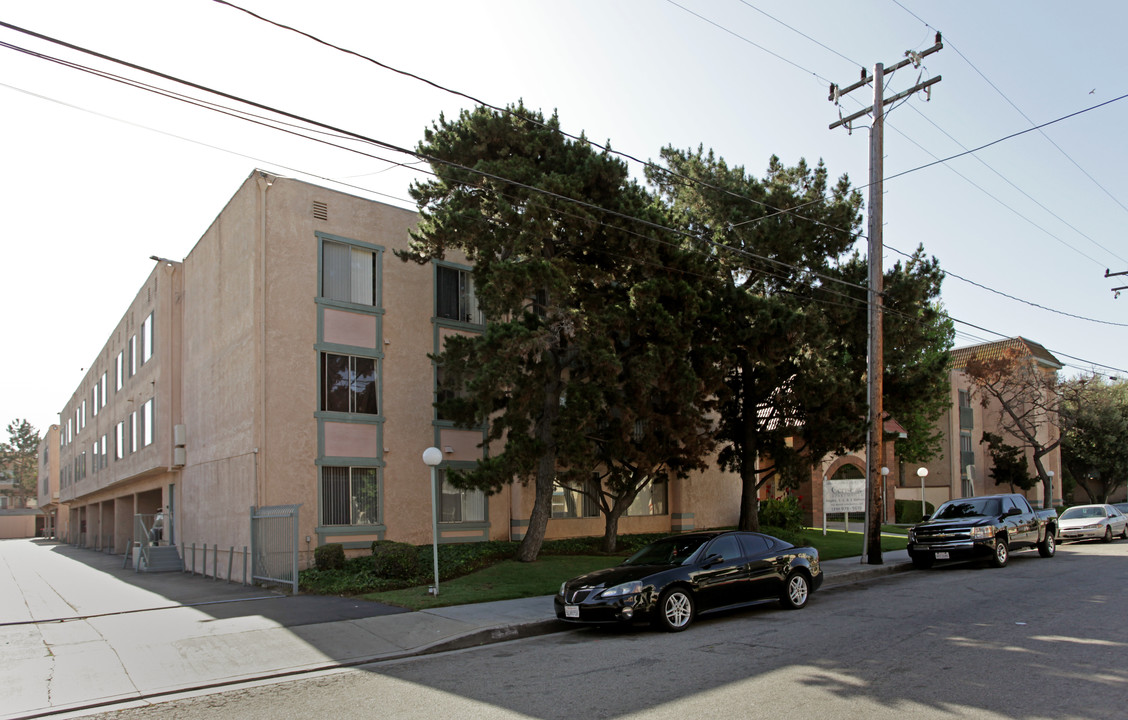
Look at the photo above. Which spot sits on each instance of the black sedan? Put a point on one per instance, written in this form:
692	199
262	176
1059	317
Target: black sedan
671	581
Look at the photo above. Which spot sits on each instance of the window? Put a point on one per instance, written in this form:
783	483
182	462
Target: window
119	441
726	546
148	423
94	400
651	500
444	392
131	351
147	339
569	502
102	386
454	296
348	384
119	371
350	496
964	398
460	506
348	273
133	432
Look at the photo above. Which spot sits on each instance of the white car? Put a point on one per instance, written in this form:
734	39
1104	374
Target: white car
1082	522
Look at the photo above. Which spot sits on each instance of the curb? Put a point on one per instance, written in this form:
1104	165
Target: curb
496	634
865	572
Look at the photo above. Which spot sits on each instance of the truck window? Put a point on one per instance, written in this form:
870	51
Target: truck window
1023	505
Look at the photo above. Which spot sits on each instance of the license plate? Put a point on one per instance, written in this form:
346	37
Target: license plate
941	556
572	611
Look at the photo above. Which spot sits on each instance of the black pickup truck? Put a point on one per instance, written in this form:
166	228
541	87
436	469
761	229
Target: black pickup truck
986	527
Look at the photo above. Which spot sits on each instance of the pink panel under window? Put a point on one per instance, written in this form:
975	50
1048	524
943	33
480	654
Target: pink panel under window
348	328
351	440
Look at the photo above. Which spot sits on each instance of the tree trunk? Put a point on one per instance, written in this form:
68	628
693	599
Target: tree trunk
611	529
749	502
530	545
546	474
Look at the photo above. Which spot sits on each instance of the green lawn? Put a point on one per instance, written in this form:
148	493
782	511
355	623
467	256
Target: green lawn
504	581
510	579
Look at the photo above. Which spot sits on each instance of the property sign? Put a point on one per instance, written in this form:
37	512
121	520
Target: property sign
840	496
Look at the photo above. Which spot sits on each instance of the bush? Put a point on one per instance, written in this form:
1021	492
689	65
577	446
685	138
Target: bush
782	513
907	512
329	557
395	560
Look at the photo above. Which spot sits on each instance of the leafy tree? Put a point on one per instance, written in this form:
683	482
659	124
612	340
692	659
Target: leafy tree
577	301
1092	447
655	393
788	373
19	457
1008	463
1028	398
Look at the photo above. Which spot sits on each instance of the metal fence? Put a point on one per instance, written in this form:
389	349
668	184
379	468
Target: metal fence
274	545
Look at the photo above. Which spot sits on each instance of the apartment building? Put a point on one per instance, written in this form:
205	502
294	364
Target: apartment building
285	361
48	484
962	469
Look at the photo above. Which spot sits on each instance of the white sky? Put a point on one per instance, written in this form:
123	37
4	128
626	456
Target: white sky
86	199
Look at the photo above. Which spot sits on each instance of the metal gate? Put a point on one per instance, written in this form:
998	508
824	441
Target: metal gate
274	545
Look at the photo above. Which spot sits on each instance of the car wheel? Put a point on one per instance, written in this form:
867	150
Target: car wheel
1002	553
1108	535
675	610
1047	547
922	562
1124	532
796	591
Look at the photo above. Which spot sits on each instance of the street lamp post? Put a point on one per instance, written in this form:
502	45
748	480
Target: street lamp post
1050	494
432	456
922	473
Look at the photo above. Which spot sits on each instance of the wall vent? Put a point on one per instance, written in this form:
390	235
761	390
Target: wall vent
320	210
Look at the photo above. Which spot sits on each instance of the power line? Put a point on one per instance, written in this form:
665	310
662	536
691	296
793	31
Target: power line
356	136
949	273
379	143
1019	111
776	211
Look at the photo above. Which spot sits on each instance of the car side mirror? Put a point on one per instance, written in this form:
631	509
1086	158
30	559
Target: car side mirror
924	518
1012	511
713	559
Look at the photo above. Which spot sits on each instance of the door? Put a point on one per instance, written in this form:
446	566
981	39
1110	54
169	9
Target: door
766	567
723	580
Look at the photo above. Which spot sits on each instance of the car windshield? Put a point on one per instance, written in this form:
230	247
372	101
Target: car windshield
1083	512
668	551
969	507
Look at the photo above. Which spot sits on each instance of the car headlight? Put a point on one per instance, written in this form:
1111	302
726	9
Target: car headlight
629	588
980	533
912	534
562	586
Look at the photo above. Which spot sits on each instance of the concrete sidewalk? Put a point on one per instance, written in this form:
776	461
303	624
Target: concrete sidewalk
211	635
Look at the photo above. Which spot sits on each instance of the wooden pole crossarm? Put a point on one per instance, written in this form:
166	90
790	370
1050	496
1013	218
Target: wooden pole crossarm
891	99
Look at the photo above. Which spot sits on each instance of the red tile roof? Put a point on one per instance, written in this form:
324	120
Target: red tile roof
992	350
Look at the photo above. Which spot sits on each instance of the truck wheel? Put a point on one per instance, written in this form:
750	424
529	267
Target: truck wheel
1001	554
1047	547
1124	534
1108	535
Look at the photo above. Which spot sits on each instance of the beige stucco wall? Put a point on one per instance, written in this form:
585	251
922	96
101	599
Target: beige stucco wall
943	481
17	525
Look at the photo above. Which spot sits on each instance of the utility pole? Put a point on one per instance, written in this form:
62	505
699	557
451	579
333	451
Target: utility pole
1116	290
875	367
